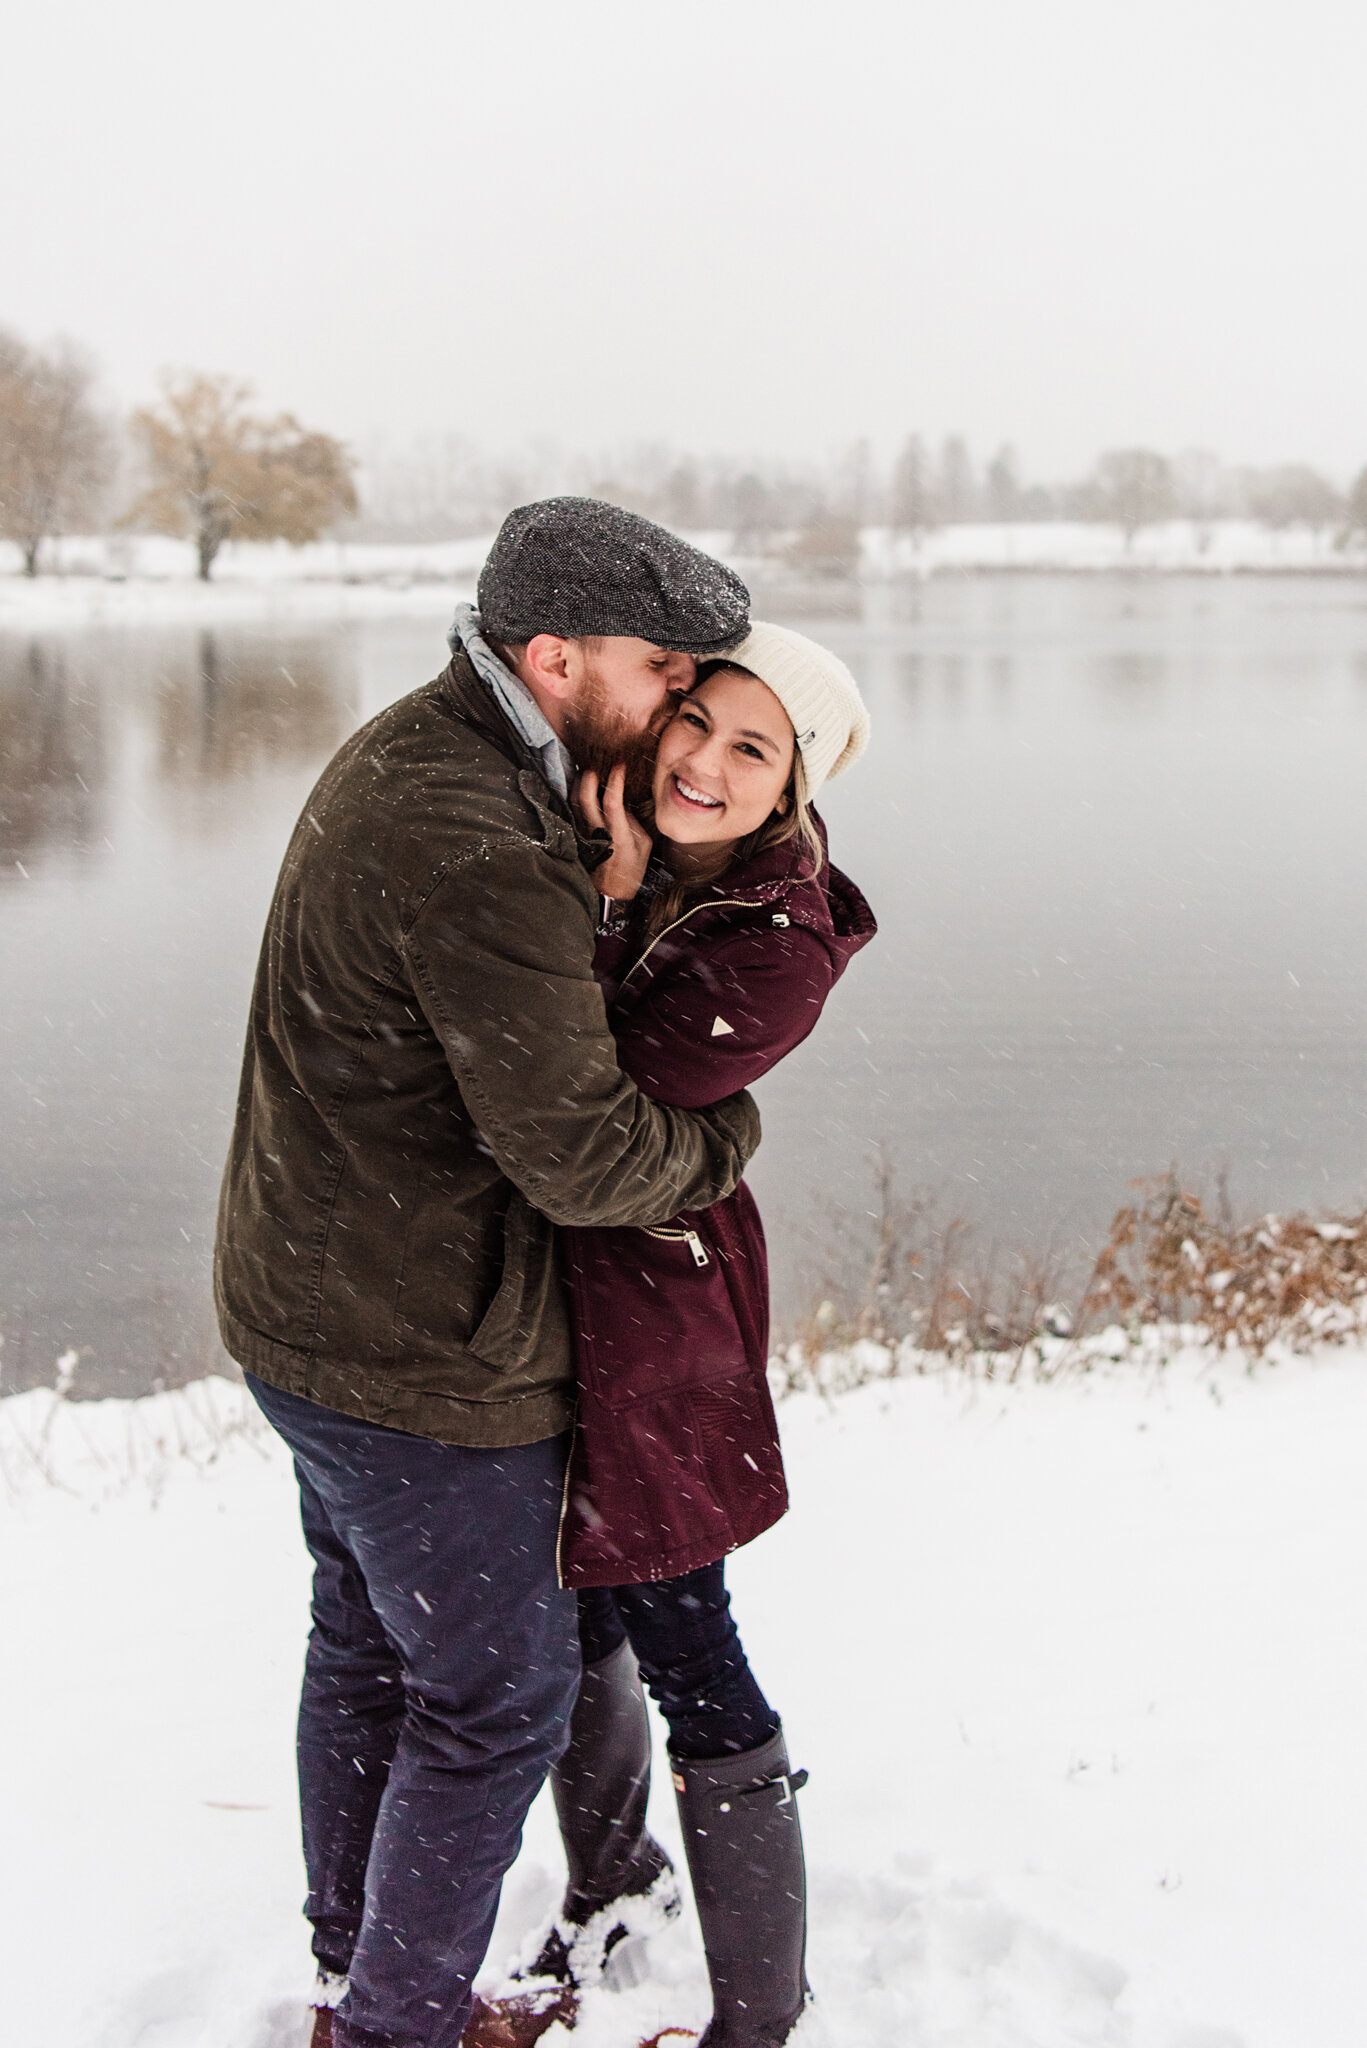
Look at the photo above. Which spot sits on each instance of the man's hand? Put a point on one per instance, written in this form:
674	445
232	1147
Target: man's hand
604	809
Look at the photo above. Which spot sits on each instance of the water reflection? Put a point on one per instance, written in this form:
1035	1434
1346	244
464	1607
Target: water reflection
178	760
911	674
232	711
1083	970
954	682
1133	680
52	755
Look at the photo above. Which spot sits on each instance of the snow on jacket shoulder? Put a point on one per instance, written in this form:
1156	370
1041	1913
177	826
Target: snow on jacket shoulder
676	1457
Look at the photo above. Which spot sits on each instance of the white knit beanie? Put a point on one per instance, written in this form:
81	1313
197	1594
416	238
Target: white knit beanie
815	689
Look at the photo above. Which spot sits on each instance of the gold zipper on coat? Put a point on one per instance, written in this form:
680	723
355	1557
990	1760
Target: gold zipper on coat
726	903
688	1237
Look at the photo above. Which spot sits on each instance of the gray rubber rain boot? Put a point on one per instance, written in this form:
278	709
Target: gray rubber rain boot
744	1845
621	1883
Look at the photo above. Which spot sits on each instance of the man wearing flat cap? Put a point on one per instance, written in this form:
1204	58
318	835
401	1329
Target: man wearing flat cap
429	1086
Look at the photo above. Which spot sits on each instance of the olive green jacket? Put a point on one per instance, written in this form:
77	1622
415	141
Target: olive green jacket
430	1084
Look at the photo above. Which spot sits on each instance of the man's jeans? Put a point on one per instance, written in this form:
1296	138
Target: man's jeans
441	1671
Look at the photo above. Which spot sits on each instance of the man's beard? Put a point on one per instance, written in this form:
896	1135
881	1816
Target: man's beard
599	737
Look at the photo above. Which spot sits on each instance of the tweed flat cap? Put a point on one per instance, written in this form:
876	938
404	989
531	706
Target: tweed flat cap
581	567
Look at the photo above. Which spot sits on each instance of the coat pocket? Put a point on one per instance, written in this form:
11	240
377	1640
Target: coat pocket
653	1312
505	1333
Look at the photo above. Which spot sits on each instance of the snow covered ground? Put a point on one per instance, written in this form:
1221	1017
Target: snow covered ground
1079	1671
146	580
139	579
1216	547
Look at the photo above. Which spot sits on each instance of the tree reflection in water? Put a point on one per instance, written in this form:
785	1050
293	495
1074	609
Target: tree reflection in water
235	710
148	784
52	755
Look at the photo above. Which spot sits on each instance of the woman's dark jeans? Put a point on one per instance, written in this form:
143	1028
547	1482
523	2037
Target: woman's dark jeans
690	1656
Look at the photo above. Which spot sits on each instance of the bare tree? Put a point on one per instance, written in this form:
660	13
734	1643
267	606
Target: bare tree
55	447
681	505
856	490
1133	487
1203	491
216	471
1293	495
1003	484
754	513
1355	513
912	505
958	490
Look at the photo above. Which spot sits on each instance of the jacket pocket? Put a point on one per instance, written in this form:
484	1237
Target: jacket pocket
507	1330
653	1312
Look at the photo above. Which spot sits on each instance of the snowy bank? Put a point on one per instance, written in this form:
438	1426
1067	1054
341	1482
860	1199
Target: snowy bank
1185	546
143	581
136	580
1078	1670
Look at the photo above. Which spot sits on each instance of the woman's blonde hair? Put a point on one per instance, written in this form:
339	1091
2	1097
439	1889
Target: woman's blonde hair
795	821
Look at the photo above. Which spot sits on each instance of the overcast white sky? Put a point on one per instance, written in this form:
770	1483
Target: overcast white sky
745	224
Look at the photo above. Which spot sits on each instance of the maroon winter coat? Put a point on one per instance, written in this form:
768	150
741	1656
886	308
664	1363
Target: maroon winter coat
676	1456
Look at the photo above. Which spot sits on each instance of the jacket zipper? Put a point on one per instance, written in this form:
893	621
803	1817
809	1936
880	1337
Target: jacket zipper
688	1237
565	1500
726	903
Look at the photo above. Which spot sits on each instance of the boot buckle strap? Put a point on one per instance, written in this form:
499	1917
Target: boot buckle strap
791	1781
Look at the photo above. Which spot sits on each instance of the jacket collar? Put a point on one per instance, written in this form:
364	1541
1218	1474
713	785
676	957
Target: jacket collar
513	698
467	698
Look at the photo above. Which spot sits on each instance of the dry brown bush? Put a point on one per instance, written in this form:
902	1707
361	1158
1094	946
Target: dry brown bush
1285	1279
925	1289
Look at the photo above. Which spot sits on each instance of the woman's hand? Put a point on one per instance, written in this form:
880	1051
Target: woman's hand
603	809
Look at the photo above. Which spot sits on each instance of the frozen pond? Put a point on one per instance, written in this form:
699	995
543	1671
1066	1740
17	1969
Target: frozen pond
1112	827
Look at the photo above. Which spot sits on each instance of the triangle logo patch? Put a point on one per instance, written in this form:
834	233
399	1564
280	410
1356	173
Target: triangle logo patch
721	1029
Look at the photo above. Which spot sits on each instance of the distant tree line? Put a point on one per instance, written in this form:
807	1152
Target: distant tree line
204	463
812	513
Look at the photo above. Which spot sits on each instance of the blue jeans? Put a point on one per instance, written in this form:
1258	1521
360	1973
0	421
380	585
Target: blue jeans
442	1668
690	1656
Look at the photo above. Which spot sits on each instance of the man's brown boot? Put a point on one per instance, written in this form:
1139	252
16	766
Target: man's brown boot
520	2021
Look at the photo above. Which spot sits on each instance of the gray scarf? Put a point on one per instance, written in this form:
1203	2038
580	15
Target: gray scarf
514	699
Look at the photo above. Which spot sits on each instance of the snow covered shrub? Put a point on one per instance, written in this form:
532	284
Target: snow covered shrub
910	1293
1293	1280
